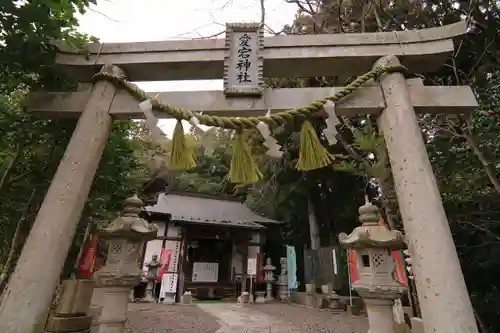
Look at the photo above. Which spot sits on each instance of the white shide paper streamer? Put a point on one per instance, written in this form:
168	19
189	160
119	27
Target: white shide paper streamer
273	148
151	120
335	266
152	124
331	122
207	144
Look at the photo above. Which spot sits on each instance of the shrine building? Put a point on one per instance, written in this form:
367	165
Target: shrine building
207	243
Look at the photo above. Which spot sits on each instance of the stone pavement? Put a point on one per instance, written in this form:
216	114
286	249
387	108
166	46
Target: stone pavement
235	318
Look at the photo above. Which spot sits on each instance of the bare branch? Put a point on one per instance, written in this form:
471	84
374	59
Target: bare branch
104	15
484	229
212	36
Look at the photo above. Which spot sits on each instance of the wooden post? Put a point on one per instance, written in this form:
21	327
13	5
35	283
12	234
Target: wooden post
31	286
244	263
182	267
441	288
313	226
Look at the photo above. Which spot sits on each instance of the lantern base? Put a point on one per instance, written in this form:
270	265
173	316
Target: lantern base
380	315
114	309
244	298
169	299
109	277
389	291
260	299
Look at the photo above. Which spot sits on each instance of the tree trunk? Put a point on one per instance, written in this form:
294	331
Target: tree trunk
16	238
488	168
10	168
390	203
480	322
313	225
386	183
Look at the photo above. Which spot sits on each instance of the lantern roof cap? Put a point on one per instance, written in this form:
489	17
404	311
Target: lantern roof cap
269	266
153	263
372	233
129	225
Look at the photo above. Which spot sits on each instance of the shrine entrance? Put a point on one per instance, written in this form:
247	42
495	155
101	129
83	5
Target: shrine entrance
208	270
210	240
378	60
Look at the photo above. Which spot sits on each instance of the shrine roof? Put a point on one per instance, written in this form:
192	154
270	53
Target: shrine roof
234	224
207	209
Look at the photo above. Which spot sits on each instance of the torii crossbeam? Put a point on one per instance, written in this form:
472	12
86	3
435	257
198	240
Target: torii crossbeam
284	56
441	288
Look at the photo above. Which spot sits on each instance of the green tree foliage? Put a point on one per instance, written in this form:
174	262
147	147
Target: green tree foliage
284	193
31	148
463	150
210	174
28	31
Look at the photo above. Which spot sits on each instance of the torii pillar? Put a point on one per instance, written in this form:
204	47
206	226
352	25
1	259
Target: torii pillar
442	293
47	246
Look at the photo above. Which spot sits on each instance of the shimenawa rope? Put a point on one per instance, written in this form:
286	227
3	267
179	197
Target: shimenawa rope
243	169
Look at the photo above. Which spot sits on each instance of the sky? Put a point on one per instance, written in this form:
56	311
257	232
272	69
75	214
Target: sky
122	21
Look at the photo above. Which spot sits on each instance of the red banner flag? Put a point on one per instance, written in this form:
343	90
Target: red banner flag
352	263
399	270
86	265
165	256
261	262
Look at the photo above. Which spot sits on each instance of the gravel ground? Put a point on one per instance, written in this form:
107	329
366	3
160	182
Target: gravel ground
315	320
158	318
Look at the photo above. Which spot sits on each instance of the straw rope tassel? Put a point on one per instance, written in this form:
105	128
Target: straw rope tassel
312	154
181	158
243	169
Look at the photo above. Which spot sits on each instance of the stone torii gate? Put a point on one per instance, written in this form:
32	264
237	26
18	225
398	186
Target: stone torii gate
441	288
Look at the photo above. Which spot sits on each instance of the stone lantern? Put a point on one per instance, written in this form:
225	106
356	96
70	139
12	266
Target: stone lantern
152	277
373	243
269	278
126	236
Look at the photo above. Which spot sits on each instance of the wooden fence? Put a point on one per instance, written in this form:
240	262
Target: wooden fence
319	267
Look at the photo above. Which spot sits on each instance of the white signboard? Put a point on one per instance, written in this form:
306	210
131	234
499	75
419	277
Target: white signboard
168	283
205	272
252	266
174	246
